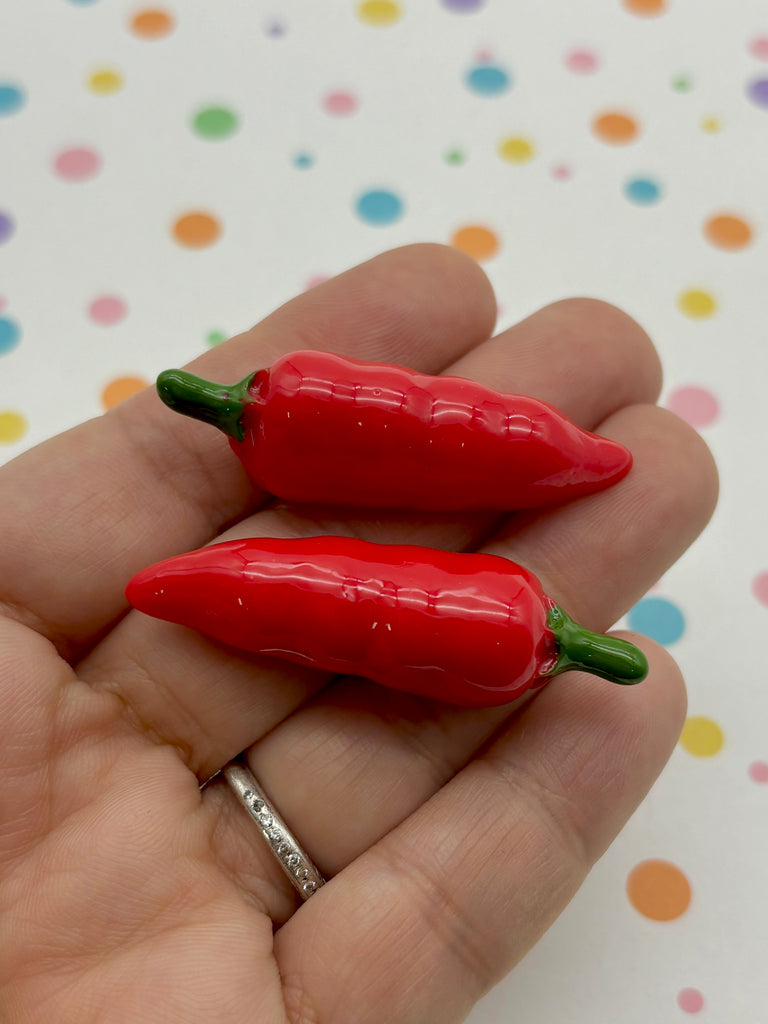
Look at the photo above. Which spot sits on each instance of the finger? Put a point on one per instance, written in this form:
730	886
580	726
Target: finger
559	347
141	483
453	898
181	687
600	556
361	752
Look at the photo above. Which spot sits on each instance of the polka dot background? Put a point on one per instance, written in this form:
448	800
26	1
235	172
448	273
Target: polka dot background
176	177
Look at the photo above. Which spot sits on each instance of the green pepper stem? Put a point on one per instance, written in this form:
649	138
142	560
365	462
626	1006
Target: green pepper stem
609	657
217	404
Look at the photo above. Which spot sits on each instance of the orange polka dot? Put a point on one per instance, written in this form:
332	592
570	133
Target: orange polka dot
196	230
478	242
658	890
646	8
152	23
121	388
727	231
615	127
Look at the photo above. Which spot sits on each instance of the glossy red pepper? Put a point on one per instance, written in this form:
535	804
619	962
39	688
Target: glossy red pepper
317	427
472	629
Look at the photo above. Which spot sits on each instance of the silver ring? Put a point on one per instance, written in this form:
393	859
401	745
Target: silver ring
294	861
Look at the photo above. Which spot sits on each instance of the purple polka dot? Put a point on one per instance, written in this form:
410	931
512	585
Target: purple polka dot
463	6
758	92
7	227
77	164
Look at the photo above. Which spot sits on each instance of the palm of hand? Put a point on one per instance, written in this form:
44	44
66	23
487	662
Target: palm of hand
452	838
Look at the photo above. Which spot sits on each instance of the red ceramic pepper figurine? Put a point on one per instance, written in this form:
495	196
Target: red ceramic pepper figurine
471	629
318	427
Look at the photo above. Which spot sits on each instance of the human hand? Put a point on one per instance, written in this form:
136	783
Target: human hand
452	838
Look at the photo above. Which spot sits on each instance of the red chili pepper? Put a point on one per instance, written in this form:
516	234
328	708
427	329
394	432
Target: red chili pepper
321	428
471	629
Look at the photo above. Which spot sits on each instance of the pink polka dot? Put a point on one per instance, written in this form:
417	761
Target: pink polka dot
758	47
561	172
312	282
696	406
690	1000
107	309
484	57
582	62
760	587
2	303
340	104
758	771
77	164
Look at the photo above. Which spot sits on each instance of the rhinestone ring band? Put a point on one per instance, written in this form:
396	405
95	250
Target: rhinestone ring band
292	858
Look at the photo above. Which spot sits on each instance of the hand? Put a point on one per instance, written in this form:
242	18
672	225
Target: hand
452	839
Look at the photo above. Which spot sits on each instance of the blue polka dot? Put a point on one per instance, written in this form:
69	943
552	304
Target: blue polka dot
10	335
488	80
657	618
643	191
303	161
12	98
379	207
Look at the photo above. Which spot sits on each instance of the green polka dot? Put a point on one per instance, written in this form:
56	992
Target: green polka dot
455	157
214	338
682	83
215	122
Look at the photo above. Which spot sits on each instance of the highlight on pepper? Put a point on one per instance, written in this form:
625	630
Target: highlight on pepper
471	629
318	427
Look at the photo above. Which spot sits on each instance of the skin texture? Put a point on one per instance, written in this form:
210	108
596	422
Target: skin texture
129	893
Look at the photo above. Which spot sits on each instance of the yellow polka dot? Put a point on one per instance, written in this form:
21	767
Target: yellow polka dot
379	12
711	125
105	81
121	388
13	426
516	149
697	303
701	736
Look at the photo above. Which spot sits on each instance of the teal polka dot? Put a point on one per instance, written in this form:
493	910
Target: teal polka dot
10	334
12	98
303	161
379	207
643	191
488	80
657	618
